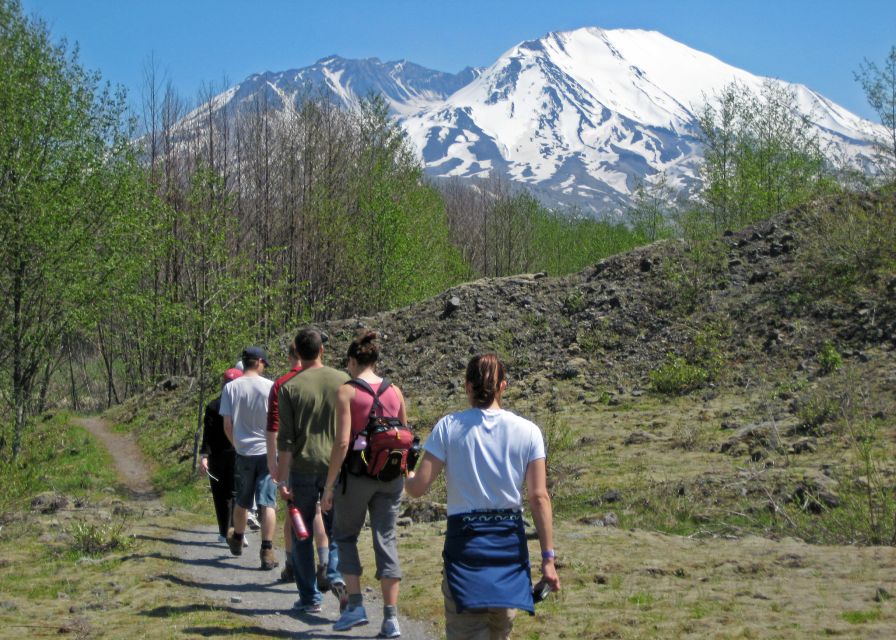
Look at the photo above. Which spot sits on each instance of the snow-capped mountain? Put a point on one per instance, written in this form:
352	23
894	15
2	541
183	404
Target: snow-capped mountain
581	114
406	86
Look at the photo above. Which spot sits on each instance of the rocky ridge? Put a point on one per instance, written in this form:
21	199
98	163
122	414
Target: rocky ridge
608	326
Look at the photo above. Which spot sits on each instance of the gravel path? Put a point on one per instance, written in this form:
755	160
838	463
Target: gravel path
235	583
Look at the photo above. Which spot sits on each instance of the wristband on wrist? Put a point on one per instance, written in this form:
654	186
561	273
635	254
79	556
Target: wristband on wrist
548	555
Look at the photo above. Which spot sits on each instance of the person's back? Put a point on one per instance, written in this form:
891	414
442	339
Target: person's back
486	453
246	400
307	405
308	417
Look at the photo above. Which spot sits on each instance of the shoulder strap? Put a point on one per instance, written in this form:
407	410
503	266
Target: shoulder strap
363	384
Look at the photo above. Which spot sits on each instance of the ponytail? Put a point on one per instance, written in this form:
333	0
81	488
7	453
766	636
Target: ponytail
363	348
485	373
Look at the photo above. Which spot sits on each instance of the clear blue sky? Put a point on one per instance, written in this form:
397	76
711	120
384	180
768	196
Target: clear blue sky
819	43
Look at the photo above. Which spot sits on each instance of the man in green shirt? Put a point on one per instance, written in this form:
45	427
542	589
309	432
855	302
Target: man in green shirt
307	405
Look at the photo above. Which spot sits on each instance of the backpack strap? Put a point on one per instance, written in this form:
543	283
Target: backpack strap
363	384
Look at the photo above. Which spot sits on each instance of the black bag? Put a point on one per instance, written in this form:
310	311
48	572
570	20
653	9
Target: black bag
384	451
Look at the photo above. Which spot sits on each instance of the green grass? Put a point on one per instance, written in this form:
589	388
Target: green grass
861	617
56	456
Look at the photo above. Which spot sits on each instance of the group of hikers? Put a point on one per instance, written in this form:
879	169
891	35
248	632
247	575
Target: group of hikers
336	447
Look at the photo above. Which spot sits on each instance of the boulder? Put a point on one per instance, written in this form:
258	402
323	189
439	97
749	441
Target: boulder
425	511
48	502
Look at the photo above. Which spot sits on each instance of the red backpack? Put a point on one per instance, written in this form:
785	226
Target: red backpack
381	449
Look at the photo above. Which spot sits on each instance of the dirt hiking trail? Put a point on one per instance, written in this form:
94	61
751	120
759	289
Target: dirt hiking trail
235	583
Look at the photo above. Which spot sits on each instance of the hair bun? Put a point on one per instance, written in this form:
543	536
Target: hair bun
370	336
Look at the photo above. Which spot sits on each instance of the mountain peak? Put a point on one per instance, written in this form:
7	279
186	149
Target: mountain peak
583	114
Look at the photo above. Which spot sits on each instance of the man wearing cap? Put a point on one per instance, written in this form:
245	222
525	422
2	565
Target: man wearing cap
217	458
244	406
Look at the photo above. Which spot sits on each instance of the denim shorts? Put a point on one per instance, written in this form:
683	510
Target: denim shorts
254	482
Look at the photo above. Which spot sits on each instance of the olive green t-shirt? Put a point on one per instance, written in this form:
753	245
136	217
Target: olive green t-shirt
307	404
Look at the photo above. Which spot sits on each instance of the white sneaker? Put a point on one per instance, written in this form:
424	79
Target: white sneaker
252	521
389	629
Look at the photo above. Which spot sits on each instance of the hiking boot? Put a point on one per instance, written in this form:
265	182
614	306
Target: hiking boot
268	561
236	546
389	629
323	582
287	575
341	593
351	617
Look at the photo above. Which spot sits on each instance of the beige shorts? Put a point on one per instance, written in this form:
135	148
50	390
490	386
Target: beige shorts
475	624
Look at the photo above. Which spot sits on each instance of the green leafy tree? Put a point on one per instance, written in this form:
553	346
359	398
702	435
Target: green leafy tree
399	232
653	208
761	155
879	85
218	309
63	153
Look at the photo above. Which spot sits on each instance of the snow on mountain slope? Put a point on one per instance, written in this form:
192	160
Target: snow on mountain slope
591	112
582	114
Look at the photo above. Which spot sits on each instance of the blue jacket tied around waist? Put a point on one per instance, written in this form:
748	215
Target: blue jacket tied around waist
487	561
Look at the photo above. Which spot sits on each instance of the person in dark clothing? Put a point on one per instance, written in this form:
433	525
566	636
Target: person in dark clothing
218	458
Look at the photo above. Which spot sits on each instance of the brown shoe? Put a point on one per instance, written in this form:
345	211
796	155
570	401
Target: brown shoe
236	546
287	575
267	559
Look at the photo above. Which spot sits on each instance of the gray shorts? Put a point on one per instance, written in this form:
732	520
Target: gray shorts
254	482
382	500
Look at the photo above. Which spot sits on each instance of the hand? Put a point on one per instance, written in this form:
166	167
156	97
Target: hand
326	501
203	464
285	493
549	572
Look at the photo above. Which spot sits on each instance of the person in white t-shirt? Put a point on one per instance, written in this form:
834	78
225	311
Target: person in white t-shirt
487	454
244	407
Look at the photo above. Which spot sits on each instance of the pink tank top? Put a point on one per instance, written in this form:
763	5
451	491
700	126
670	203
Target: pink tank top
363	401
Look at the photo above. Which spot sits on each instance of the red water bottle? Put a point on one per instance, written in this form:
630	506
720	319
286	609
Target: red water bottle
298	525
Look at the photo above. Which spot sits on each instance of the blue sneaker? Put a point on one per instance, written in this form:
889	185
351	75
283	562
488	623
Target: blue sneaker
351	617
389	629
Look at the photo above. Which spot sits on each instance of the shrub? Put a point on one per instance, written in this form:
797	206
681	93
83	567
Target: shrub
557	435
829	358
849	243
575	301
816	409
677	376
93	539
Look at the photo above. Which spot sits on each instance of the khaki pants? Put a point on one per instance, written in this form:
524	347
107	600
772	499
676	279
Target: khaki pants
475	624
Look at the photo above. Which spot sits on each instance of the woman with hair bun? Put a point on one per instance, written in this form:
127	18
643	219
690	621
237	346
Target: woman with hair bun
487	453
361	494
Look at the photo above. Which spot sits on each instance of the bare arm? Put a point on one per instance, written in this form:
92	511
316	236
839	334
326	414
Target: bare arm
340	443
270	439
283	464
542	514
228	429
402	410
418	482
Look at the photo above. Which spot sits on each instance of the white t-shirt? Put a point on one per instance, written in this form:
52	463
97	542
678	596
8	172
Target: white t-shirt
245	400
486	452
